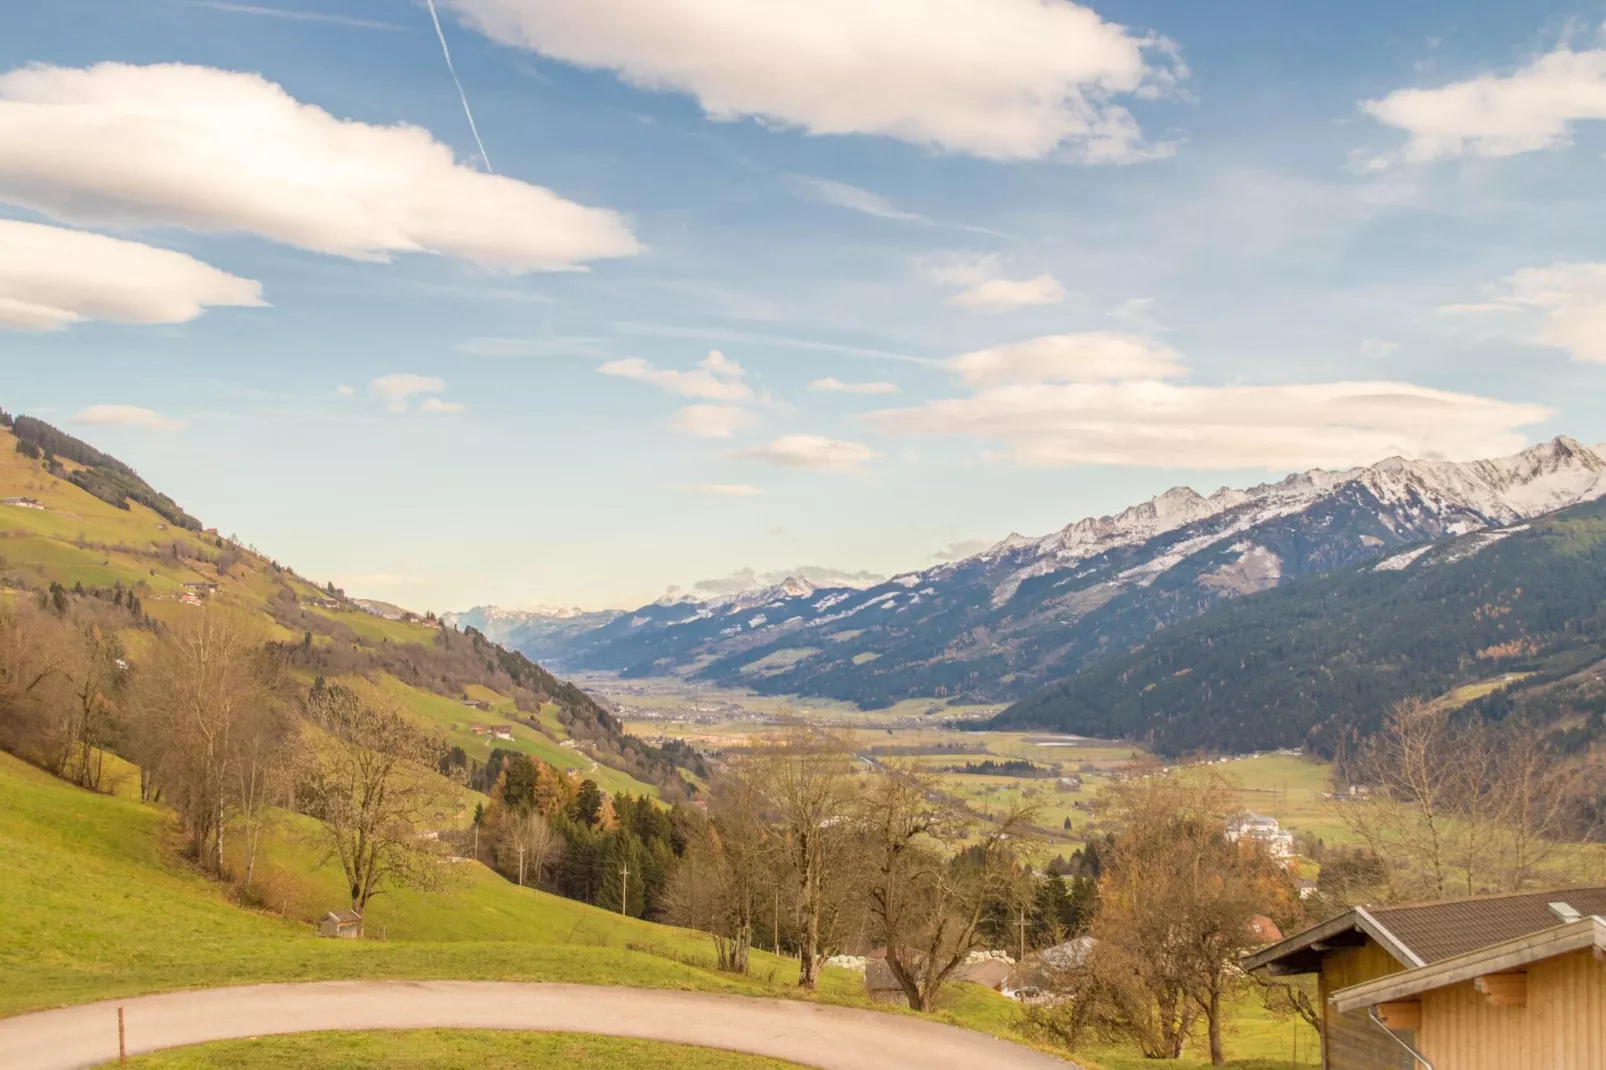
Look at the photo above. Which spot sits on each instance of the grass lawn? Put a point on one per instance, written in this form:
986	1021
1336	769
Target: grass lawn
448	1049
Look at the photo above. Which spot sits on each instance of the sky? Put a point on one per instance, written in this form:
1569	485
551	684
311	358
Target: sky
637	295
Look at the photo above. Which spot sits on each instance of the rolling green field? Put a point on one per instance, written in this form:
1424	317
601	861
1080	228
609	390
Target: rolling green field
448	1049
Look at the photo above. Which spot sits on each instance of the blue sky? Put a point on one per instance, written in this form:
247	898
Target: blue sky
1065	257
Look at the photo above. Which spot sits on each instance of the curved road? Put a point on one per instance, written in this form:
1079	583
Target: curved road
833	1038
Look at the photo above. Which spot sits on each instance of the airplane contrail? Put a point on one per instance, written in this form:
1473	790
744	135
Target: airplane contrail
447	52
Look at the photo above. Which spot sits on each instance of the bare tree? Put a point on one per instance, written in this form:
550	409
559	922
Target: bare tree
1173	915
371	788
209	677
928	892
729	864
529	839
96	668
1460	808
809	789
35	659
267	751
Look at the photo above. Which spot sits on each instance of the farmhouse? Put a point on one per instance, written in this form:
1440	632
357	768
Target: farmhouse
1512	981
21	503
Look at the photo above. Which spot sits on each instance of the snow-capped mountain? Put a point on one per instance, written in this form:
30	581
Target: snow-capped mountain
521	629
996	625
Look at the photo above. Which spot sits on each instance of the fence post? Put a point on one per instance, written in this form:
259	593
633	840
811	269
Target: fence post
122	1043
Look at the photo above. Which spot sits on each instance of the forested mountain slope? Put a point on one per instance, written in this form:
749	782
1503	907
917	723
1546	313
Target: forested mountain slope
76	523
1521	609
1005	622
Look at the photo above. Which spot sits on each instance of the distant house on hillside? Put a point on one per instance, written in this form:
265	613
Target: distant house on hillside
478	729
21	503
341	924
503	731
1261	829
200	587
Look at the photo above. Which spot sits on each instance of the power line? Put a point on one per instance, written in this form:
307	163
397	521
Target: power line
447	52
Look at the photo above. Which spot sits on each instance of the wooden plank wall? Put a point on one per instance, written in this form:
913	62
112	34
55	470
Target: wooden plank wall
1563	1026
1353	1041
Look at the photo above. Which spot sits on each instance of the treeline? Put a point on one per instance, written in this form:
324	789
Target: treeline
1317	662
103	475
1015	767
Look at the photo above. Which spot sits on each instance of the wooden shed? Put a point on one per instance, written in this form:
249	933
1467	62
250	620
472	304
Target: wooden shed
343	924
1396	993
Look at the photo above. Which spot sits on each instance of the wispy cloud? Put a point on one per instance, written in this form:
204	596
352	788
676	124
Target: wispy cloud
842	195
300	16
396	388
814	453
126	416
720	334
833	385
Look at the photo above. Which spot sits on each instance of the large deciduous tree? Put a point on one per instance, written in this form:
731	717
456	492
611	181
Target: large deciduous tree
371	786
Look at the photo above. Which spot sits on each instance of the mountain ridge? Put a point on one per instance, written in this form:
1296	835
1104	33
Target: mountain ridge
997	625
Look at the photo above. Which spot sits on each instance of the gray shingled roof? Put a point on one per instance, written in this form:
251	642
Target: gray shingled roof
1437	931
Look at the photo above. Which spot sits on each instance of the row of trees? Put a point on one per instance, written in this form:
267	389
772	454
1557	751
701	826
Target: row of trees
221	733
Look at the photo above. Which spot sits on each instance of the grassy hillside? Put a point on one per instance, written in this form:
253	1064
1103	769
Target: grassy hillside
98	904
1513	619
78	539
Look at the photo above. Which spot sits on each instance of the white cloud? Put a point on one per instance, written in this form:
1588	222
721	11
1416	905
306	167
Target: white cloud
437	405
1530	109
1004	79
1087	357
812	452
396	388
833	385
51	277
843	195
1378	348
1004	295
958	551
1153	423
1569	300
219	151
345	391
985	287
711	421
126	416
726	490
716	377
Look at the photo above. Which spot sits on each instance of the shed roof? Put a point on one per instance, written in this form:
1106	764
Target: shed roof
344	917
1424	933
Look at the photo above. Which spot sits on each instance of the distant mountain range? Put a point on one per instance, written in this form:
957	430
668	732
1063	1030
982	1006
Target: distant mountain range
1028	612
529	629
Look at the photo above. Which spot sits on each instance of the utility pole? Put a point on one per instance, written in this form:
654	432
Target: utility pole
1022	935
624	888
776	932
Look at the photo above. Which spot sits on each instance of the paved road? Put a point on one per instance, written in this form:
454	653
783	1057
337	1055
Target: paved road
833	1038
